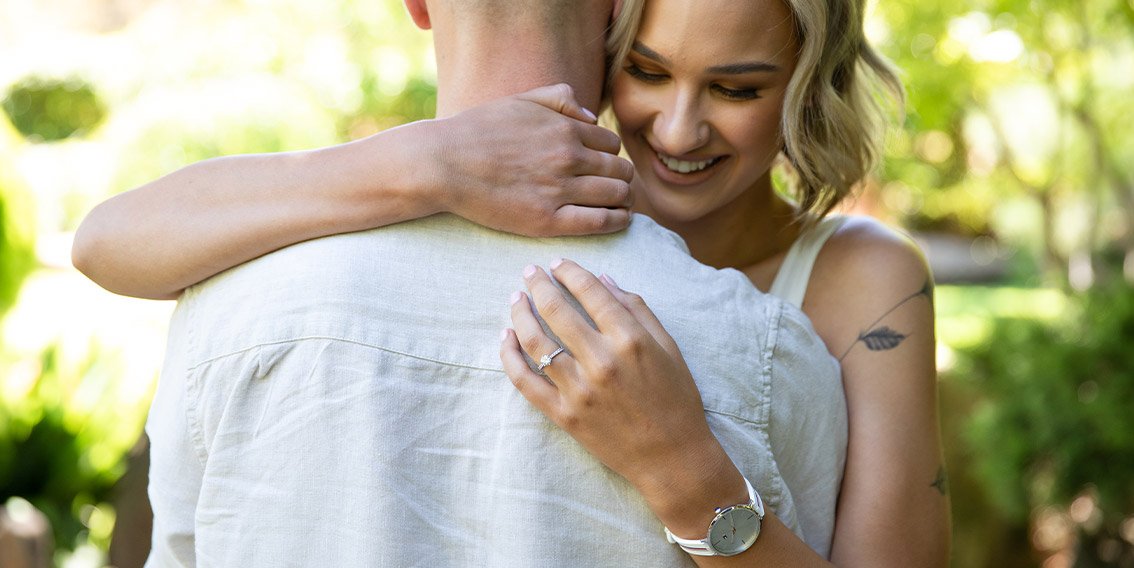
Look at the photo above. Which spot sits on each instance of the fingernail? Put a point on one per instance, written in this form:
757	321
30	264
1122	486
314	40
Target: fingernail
516	297
556	264
529	271
503	335
589	114
611	281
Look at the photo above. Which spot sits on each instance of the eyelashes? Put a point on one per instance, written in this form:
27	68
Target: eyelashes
641	75
737	94
657	78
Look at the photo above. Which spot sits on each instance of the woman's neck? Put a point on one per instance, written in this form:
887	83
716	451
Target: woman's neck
758	225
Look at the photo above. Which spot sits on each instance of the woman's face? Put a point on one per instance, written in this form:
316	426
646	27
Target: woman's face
699	101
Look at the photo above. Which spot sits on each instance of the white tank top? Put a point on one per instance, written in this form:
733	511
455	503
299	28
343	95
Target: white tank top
791	281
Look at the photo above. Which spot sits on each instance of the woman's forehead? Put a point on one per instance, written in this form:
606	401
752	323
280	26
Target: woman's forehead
718	29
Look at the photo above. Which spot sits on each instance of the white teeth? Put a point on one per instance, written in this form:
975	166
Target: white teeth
683	166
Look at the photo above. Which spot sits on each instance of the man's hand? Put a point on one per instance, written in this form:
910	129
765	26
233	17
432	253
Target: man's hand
534	164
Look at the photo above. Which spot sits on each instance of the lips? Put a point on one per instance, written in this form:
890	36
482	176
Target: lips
684	172
684	166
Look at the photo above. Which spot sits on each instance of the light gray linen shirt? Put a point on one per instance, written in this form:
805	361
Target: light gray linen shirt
341	403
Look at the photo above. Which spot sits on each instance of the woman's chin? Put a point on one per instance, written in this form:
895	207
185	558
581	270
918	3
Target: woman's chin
669	212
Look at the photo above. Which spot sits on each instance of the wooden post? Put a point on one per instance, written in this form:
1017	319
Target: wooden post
25	536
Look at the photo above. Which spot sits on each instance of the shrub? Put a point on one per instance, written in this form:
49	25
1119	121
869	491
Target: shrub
46	110
1053	423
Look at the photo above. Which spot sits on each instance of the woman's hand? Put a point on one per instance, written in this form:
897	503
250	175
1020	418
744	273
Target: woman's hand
622	390
533	164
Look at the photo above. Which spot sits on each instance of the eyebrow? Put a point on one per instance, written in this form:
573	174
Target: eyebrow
728	69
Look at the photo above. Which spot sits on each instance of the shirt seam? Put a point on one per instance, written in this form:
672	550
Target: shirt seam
351	341
733	416
196	431
773	338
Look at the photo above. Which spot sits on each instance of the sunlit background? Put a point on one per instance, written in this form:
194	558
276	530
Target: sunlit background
1014	168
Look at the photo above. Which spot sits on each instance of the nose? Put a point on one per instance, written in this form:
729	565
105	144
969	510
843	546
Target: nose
681	128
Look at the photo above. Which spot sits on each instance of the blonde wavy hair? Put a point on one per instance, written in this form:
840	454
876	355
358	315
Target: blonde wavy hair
835	108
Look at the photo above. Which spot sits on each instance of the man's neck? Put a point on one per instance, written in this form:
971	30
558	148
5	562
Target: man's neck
476	68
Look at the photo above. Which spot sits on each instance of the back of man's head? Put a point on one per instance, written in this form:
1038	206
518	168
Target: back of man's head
492	48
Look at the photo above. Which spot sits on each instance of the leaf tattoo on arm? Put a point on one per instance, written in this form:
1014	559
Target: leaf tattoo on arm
881	339
884	338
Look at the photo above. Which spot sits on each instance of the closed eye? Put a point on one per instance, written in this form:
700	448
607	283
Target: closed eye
644	76
737	94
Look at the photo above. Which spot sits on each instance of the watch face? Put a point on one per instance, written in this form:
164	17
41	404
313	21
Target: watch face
734	530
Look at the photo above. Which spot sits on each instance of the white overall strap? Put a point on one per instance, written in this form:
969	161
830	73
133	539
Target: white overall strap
791	281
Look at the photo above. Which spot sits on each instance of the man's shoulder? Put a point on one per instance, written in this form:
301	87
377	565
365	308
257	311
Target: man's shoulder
443	243
436	278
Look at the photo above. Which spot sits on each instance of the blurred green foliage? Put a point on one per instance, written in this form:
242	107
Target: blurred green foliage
17	256
1016	126
1050	422
1015	129
64	430
47	110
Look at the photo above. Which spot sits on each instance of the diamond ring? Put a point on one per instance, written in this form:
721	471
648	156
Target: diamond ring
546	359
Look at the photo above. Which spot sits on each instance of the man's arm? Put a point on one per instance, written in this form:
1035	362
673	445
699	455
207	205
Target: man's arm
533	164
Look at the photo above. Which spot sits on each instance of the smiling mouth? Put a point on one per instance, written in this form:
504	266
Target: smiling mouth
684	167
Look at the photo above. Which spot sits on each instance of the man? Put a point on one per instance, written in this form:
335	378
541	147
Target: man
341	402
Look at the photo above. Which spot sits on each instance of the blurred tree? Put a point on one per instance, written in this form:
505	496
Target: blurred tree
1018	100
47	110
16	226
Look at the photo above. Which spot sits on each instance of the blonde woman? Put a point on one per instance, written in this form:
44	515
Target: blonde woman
708	95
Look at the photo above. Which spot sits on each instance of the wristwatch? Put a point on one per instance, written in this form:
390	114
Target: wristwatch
731	532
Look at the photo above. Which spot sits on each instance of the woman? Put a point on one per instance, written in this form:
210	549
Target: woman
707	94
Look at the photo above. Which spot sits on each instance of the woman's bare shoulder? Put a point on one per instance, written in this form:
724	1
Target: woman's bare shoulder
865	271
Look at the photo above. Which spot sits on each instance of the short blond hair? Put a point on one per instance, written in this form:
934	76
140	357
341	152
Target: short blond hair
834	116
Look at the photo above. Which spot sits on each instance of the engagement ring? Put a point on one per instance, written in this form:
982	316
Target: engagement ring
546	359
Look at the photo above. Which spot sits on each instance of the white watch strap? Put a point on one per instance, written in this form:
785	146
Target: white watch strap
701	547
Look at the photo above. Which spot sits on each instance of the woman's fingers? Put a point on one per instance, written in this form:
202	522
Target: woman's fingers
595	162
559	98
597	191
541	392
607	312
533	340
579	220
641	312
562	318
598	138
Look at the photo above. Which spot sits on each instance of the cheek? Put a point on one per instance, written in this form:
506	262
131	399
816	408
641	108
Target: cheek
758	131
622	102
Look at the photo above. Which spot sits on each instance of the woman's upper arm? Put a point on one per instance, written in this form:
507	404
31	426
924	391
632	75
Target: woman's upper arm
871	299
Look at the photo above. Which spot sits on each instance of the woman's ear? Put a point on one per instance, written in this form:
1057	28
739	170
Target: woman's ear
419	12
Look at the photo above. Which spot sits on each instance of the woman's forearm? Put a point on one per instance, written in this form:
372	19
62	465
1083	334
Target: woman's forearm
533	164
156	240
703	479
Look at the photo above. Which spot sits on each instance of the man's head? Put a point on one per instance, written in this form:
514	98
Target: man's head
491	48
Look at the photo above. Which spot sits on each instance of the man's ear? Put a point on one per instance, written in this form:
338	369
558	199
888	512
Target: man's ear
419	12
